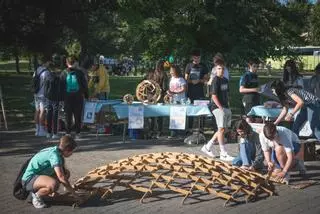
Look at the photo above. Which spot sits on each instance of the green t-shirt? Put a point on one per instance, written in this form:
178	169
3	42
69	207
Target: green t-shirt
43	163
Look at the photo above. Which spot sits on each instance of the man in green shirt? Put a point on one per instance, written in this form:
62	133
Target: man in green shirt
46	170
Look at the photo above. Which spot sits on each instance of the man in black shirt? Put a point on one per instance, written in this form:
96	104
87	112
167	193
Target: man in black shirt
196	75
221	111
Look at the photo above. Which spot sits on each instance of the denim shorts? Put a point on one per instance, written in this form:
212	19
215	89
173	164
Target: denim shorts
40	103
28	184
296	149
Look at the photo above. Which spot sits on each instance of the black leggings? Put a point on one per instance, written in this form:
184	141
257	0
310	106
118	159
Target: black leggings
73	106
52	116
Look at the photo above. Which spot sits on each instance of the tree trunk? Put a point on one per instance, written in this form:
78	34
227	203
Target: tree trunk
16	56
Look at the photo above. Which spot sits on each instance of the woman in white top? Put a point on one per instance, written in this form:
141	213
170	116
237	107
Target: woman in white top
177	90
177	86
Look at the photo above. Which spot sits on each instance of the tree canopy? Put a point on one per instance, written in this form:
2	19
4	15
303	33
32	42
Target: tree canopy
151	29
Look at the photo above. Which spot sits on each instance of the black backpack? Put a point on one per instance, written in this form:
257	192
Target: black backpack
19	192
36	81
53	86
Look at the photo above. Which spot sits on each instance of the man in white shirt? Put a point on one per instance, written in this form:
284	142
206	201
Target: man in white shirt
282	150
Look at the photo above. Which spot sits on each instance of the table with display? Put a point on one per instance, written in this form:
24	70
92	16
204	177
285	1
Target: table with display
101	108
268	113
160	110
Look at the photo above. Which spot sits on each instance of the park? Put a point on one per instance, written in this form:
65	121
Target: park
145	106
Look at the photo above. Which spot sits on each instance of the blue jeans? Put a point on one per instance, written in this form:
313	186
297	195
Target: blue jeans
303	116
245	157
296	149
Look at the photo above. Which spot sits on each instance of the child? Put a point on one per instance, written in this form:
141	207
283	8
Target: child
303	100
222	113
251	155
177	88
249	88
46	170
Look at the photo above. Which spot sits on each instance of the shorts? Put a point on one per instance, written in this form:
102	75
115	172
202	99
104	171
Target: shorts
223	118
296	149
28	185
249	101
40	103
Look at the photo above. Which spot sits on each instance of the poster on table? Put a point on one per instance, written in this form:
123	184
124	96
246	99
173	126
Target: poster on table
135	114
201	102
178	117
89	112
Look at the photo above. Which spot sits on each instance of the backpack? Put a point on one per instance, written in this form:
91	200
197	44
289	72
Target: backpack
36	81
52	86
19	192
72	82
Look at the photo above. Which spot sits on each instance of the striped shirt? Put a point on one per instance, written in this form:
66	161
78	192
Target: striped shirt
306	96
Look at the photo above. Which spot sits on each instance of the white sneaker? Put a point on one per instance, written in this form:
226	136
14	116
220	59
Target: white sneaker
37	201
55	136
207	152
77	136
42	133
226	157
48	135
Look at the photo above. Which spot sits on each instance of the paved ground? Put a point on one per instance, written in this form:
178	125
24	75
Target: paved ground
15	147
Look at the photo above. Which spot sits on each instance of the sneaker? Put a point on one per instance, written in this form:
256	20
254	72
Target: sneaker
207	152
286	179
301	167
42	132
158	135
37	201
226	157
77	136
55	136
49	135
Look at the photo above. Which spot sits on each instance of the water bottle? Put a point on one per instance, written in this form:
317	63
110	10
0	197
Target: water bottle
188	101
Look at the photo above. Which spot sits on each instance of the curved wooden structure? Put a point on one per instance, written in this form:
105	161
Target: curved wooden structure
148	91
179	172
128	98
167	99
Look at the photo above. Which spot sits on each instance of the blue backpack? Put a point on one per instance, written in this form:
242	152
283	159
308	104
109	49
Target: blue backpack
72	82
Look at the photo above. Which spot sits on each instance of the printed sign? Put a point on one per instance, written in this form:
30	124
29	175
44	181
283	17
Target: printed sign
135	117
201	102
178	117
89	112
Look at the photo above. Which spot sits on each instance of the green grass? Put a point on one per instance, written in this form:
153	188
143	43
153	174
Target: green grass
309	62
18	96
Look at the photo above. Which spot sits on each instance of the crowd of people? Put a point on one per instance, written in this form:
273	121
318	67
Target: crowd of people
275	149
66	87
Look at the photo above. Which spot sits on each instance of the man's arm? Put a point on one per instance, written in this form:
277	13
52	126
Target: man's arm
64	180
244	90
267	155
287	166
216	101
